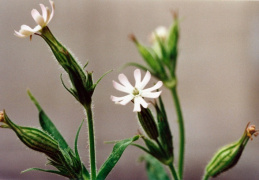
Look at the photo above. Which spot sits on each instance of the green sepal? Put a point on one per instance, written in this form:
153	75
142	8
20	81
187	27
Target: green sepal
160	48
165	135
155	150
151	58
154	168
172	40
47	125
114	157
148	123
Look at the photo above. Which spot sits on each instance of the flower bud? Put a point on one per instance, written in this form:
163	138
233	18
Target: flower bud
64	160
165	134
32	137
148	123
160	32
82	82
228	156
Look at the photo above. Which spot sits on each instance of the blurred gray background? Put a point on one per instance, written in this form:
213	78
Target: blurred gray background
217	71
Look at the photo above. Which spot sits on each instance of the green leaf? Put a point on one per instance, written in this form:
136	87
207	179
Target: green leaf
47	124
85	172
155	170
76	140
114	157
44	170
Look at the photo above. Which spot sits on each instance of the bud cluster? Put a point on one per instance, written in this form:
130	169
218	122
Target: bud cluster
162	55
159	138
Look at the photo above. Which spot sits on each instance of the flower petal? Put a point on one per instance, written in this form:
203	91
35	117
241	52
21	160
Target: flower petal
137	76
126	100
19	34
151	94
136	105
155	87
139	101
37	17
145	80
119	87
124	80
26	31
52	11
44	13
122	100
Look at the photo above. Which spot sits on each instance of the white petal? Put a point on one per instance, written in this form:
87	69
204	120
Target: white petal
119	87
155	87
124	80
136	105
143	102
44	12
145	80
26	30
52	11
122	100
19	34
48	16
37	28
126	100
137	76
139	101
151	94
37	17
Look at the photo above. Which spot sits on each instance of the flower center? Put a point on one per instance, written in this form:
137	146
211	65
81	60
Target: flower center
135	92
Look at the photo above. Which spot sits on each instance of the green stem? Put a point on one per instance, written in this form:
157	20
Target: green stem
173	171
91	140
181	131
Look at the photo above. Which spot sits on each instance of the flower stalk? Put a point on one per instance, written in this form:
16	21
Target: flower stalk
181	131
89	113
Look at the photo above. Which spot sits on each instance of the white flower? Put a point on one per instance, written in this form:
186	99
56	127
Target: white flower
42	21
136	93
160	32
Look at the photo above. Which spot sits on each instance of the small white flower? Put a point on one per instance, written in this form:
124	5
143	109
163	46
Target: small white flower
136	93
160	32
42	21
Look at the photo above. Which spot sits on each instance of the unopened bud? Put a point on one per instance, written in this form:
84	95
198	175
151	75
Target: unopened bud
33	138
160	32
148	123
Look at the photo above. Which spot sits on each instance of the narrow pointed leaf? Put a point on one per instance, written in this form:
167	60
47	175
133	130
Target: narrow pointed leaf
47	125
76	140
114	157
43	170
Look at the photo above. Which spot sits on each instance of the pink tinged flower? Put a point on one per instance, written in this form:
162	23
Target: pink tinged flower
42	21
136	93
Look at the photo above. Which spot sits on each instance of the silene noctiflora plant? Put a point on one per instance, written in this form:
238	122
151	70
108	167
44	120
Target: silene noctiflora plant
161	59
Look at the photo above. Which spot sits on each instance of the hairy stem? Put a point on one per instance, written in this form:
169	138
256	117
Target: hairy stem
91	140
